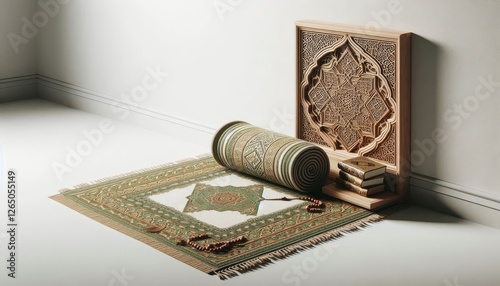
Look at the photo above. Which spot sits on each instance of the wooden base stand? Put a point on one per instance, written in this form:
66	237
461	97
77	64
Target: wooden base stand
374	202
396	187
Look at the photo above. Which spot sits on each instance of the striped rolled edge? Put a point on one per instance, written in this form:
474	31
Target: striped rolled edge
272	156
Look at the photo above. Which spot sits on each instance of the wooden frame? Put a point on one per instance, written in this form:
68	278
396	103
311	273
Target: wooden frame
353	98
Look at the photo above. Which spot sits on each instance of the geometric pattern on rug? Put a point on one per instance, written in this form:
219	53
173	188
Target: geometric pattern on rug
225	198
125	204
179	199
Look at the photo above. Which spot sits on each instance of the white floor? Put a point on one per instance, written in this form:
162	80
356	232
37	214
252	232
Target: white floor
57	246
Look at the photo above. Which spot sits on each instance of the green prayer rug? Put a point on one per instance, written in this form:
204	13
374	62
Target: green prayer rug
199	196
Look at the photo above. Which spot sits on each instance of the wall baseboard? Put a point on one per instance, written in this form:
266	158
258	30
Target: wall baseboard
473	205
93	102
469	204
18	88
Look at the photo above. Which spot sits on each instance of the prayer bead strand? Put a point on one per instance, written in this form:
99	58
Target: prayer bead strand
315	206
214	247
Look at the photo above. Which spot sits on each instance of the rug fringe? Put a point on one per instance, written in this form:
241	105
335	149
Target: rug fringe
123	175
269	258
142	237
230	271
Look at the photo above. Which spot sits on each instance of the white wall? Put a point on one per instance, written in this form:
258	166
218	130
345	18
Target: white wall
240	64
18	64
18	59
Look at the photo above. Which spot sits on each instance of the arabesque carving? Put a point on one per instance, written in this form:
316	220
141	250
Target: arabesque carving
353	99
347	99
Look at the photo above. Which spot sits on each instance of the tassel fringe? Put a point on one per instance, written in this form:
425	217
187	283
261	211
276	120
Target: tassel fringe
240	268
269	258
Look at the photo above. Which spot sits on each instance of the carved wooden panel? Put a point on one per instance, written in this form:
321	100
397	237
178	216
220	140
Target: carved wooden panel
353	92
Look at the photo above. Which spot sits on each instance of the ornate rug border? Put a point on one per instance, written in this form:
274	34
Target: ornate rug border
271	257
229	271
60	198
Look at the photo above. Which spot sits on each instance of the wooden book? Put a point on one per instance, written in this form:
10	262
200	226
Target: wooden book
360	182
365	192
362	167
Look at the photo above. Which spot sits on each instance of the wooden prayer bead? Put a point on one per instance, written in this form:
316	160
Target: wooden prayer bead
214	247
315	206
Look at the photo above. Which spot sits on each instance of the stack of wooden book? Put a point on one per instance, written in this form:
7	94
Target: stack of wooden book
362	176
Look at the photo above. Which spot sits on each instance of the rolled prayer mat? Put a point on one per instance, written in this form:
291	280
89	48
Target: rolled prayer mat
272	156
